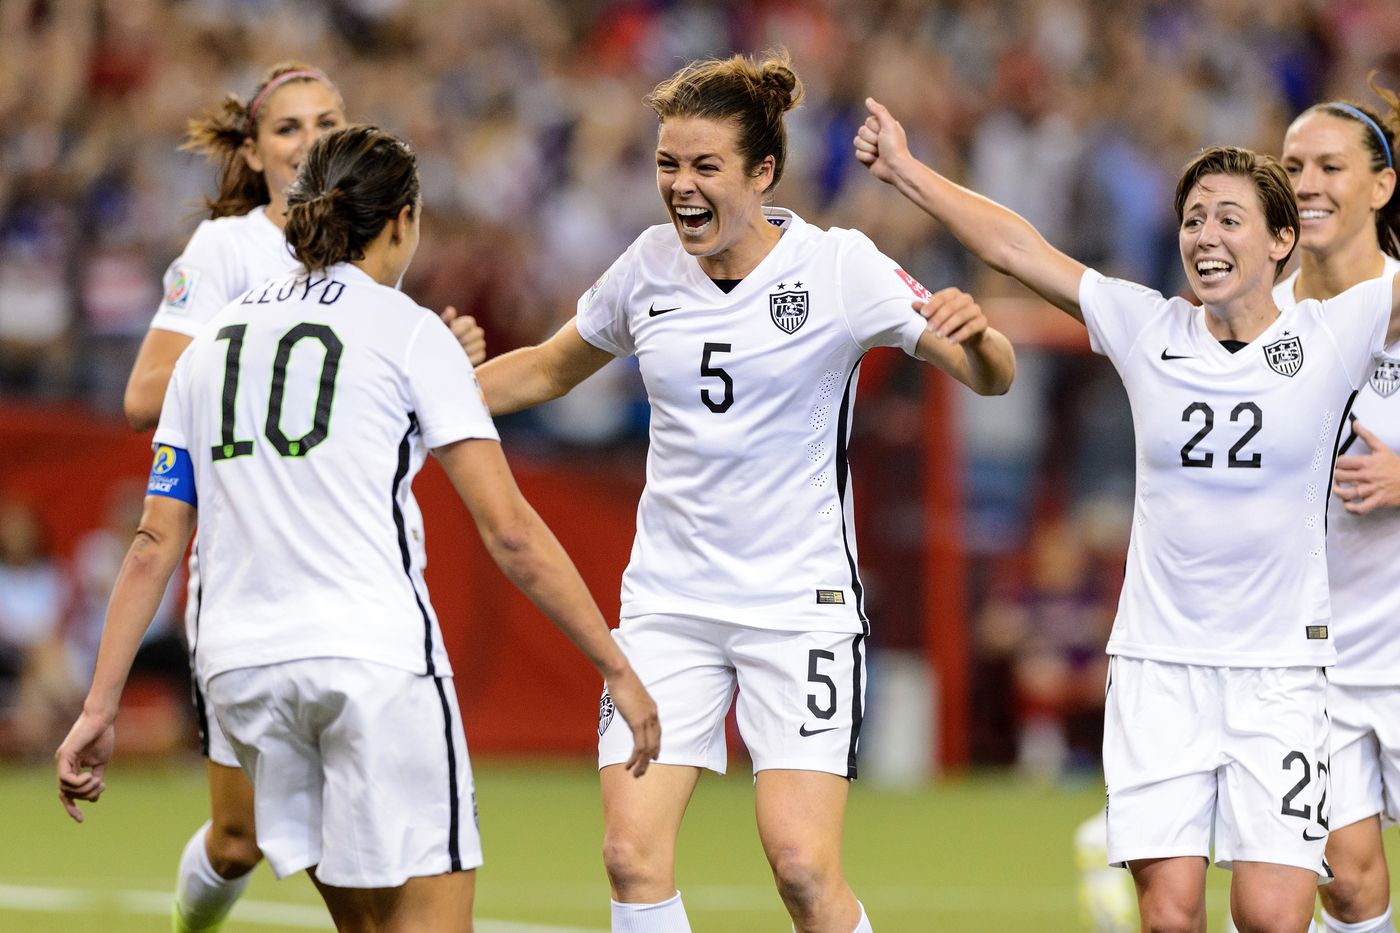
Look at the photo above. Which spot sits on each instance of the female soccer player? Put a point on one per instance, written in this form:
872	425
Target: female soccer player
1216	713
294	423
258	146
749	326
1340	159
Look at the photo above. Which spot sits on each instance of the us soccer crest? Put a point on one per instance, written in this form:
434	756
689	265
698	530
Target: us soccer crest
1285	356
605	713
788	309
1386	379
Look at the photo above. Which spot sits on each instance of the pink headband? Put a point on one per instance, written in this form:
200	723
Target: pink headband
300	74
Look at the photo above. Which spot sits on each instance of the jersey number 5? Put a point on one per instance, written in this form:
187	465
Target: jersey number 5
229	446
721	405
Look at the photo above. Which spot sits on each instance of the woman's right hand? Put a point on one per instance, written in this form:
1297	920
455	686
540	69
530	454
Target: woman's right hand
81	761
631	699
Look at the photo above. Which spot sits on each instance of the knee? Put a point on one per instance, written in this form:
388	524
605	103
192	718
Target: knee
233	848
1165	917
802	879
634	867
1356	895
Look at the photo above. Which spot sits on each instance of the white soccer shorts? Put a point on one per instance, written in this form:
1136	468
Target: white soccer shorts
1237	756
358	769
1365	753
801	694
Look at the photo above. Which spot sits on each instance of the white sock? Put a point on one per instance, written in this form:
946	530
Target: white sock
203	897
1381	924
864	925
665	917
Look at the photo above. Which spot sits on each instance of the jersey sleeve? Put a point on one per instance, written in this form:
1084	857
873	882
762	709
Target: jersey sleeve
197	285
443	388
1116	312
877	297
1359	318
602	310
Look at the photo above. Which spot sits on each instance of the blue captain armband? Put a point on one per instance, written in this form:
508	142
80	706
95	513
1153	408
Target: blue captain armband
172	475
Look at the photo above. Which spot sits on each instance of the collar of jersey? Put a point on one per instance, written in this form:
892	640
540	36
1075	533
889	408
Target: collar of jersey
790	225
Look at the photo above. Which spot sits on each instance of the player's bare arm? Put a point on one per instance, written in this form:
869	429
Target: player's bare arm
150	374
998	236
959	342
526	377
161	539
529	554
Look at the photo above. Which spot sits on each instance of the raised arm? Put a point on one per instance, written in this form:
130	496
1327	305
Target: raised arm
150	374
529	554
998	236
526	377
161	539
959	342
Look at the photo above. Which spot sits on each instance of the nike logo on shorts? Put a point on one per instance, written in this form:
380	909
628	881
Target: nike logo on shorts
804	731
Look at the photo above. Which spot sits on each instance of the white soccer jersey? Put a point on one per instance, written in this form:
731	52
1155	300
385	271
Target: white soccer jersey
224	258
307	407
1226	564
746	515
1363	551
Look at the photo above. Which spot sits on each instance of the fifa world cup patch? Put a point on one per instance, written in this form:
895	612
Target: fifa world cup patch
180	288
831	598
1317	632
605	712
915	286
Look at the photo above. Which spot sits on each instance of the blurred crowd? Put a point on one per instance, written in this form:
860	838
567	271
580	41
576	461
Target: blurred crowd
536	154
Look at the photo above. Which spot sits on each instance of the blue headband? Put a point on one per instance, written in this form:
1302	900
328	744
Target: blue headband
1380	134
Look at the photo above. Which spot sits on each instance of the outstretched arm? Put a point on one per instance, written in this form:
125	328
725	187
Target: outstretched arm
959	342
998	236
529	554
161	539
526	377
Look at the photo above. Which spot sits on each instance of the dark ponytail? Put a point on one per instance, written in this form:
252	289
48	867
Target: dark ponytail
351	183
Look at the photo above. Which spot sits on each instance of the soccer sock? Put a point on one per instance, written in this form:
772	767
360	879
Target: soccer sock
665	917
1381	924
203	897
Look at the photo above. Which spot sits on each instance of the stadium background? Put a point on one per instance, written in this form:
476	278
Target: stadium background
991	531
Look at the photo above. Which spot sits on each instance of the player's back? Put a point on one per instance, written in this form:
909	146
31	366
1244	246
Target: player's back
298	413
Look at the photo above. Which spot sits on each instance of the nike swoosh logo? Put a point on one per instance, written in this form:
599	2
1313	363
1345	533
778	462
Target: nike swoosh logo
1307	838
1173	356
804	732
653	311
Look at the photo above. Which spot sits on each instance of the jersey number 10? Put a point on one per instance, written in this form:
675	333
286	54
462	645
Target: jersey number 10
229	446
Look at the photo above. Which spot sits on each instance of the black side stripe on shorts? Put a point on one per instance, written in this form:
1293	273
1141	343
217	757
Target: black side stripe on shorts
1338	448
454	801
843	437
201	709
405	449
857	708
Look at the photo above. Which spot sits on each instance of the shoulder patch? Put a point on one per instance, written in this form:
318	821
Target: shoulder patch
592	292
915	286
180	287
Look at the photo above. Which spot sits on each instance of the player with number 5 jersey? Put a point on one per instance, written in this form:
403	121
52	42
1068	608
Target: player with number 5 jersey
294	424
1216	734
749	326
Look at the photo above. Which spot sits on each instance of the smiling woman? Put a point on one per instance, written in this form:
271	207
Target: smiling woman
1216	727
749	326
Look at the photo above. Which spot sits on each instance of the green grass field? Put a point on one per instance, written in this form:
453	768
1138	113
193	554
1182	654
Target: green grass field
974	854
